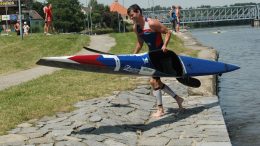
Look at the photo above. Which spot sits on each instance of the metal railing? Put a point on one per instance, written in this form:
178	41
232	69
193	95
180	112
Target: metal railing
209	14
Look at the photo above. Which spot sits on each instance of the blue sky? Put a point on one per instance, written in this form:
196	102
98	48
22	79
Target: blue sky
167	3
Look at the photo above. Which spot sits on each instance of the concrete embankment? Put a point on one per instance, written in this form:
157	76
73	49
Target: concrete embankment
123	119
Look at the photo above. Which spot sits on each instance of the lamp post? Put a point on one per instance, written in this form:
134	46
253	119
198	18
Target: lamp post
6	8
20	18
123	19
91	20
118	17
88	14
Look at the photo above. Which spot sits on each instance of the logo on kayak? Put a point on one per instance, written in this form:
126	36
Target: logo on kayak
128	68
146	71
145	60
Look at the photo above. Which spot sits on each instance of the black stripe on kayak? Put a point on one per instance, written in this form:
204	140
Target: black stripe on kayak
97	51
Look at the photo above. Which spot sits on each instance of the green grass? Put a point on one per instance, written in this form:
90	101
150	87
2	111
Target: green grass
125	43
59	91
53	93
17	54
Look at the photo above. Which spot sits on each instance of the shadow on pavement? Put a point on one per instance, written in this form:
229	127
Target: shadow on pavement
167	119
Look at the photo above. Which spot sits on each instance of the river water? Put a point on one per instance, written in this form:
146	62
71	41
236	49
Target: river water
239	91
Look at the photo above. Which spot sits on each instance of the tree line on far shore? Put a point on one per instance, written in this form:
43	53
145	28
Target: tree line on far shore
68	16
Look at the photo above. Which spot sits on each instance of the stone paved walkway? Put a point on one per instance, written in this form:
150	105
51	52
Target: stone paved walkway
123	119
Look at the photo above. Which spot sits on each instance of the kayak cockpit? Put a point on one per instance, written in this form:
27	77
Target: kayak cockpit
167	63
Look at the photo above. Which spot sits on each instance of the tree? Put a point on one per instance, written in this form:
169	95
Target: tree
34	5
38	7
103	18
67	15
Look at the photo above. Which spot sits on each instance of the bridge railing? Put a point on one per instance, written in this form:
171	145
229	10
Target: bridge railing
209	14
218	14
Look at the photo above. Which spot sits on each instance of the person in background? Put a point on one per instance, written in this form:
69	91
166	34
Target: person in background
48	18
45	22
173	17
150	31
178	15
26	28
17	27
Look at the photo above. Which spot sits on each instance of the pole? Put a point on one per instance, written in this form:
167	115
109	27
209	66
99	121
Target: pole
118	22
90	20
6	8
87	13
30	12
20	18
123	19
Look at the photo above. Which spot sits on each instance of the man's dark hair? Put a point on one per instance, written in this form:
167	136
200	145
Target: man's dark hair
135	8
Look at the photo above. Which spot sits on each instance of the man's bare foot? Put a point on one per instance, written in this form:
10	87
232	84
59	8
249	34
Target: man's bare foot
179	102
157	114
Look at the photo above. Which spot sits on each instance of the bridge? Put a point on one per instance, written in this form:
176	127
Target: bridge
214	14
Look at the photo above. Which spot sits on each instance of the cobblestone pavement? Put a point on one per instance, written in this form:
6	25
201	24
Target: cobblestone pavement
123	119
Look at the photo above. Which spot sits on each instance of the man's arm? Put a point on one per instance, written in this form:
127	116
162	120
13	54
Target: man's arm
139	43
156	26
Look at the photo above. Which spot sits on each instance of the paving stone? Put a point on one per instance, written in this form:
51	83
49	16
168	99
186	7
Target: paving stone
111	142
86	128
28	130
153	141
41	140
95	118
93	143
107	122
92	137
67	138
49	144
155	131
70	143
214	144
14	131
180	142
56	133
120	111
56	120
219	138
12	139
55	126
142	91
36	134
171	134
24	125
131	138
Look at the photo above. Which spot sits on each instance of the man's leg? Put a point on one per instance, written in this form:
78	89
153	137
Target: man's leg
45	27
169	91
48	27
174	25
178	25
155	83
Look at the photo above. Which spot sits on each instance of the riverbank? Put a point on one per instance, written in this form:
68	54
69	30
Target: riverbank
124	118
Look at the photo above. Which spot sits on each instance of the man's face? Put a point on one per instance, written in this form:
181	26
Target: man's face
134	16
